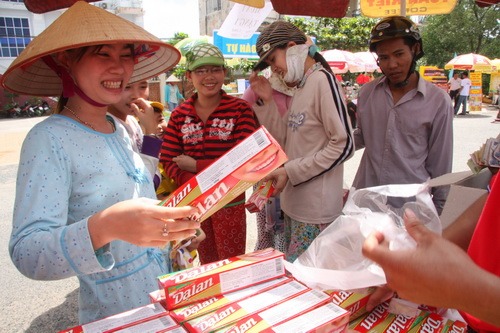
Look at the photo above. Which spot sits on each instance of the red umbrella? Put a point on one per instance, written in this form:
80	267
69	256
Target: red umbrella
470	61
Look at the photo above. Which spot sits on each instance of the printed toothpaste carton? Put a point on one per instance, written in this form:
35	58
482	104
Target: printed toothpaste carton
368	322
260	196
381	320
435	323
200	308
230	175
353	301
199	283
155	325
233	312
124	319
326	318
277	314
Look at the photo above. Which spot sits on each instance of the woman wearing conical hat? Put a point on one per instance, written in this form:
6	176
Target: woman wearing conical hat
172	94
83	202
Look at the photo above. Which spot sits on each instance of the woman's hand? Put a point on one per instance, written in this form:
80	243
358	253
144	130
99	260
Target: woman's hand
185	162
261	86
280	178
142	222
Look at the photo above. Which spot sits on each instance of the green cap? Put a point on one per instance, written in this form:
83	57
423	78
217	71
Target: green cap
202	55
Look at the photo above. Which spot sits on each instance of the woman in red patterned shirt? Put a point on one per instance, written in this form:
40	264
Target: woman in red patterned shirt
199	131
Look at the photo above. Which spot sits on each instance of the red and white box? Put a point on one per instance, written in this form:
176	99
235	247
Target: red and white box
275	315
200	308
328	318
230	175
260	196
236	311
353	301
199	283
121	320
157	325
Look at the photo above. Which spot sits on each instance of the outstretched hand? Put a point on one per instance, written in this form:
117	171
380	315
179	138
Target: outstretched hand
142	222
424	275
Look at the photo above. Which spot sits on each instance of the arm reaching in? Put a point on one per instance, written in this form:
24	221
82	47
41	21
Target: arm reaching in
436	273
142	222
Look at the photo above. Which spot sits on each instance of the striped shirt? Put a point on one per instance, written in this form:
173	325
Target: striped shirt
231	122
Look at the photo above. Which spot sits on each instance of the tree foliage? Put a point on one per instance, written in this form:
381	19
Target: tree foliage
467	29
348	33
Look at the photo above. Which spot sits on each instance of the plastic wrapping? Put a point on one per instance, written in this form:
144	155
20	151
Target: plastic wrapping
334	259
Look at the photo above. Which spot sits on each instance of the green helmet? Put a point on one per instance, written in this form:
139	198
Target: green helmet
395	27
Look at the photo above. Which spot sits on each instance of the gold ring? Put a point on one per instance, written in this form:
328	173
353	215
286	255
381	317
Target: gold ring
164	230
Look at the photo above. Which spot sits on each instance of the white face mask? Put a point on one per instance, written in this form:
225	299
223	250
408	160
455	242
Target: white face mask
295	62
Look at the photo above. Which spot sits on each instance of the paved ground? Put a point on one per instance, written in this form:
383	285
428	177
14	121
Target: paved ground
49	306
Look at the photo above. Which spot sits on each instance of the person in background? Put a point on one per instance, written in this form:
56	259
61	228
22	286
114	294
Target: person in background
463	95
172	94
201	130
85	205
404	123
270	220
316	133
454	87
439	273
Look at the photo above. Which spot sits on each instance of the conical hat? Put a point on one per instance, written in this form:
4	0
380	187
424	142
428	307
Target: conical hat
84	25
172	78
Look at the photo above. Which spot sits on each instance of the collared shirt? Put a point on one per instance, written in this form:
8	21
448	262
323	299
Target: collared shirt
407	142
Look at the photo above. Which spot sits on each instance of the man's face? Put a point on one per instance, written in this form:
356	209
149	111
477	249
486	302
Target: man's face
395	59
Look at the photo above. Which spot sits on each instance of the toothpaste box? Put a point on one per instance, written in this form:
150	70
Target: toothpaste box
277	314
199	283
122	320
326	318
382	320
233	312
260	196
156	325
230	175
435	323
200	308
353	301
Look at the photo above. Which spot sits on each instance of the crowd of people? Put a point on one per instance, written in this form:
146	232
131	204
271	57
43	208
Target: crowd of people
107	149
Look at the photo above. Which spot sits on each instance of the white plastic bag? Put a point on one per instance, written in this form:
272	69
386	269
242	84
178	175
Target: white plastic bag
334	259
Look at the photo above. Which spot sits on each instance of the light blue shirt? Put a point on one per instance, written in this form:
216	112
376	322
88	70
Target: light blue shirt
68	172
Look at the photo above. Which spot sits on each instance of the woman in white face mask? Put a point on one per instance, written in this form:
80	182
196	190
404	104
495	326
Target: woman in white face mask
316	132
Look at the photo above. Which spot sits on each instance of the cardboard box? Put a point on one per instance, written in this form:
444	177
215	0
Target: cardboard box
233	312
220	277
124	319
326	318
466	188
230	175
200	308
278	314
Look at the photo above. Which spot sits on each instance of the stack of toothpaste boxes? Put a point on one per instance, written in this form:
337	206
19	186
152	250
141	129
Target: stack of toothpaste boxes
253	293
247	293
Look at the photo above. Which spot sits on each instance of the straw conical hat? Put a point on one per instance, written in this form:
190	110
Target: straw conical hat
85	25
172	78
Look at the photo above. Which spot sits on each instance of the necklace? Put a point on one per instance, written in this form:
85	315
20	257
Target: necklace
87	123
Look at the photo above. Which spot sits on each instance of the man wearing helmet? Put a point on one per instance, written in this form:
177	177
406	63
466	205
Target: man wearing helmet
404	122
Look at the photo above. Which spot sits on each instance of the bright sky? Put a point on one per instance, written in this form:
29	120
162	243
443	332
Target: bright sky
163	18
